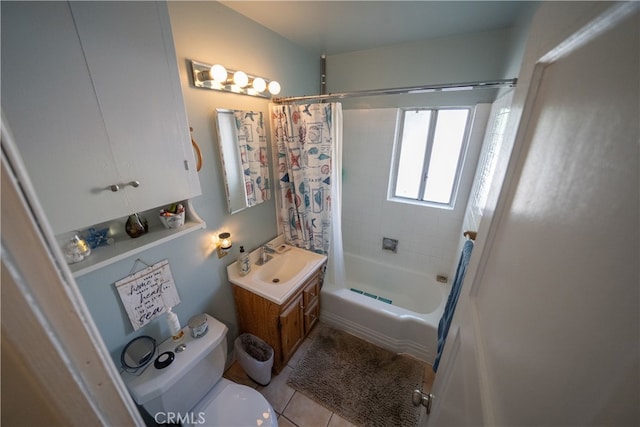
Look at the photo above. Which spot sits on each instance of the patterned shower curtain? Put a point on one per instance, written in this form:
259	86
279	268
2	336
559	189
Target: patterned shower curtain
252	143
306	140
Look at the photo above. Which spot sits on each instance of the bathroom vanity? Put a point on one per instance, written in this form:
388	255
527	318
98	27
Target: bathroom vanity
281	313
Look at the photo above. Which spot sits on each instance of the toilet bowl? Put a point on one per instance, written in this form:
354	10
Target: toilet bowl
235	405
190	390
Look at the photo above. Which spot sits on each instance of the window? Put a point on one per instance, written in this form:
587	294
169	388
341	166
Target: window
428	155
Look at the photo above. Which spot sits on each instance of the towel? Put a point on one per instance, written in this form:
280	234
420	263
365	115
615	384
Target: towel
452	300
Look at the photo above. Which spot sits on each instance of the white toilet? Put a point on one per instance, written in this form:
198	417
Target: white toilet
191	390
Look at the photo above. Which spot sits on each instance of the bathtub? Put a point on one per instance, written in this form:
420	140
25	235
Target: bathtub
394	308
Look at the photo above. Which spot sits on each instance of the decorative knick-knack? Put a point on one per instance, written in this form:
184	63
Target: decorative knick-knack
74	247
136	226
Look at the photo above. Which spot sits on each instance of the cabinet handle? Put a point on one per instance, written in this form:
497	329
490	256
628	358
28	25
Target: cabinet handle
116	187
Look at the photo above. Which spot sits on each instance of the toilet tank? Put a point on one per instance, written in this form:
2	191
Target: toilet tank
193	372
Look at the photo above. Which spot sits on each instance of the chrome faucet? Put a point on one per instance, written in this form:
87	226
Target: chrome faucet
265	250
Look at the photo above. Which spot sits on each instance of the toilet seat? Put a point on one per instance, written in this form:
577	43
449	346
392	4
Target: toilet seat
229	404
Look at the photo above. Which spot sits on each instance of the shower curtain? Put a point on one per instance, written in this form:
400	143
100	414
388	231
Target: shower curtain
307	142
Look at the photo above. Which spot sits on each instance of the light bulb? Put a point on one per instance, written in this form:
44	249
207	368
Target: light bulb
204	76
240	79
274	87
225	240
219	73
259	84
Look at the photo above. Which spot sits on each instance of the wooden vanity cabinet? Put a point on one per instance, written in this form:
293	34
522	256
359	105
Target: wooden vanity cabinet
282	326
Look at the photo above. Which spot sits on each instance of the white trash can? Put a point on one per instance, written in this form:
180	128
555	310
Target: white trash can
255	357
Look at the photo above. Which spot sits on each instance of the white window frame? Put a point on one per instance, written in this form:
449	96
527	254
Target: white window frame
397	147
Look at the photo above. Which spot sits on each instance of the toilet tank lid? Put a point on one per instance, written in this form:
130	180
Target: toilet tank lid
153	382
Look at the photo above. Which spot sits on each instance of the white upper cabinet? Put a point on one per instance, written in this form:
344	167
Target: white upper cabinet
91	93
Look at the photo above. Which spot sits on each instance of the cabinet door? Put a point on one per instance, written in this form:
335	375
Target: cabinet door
311	291
91	92
131	58
291	327
311	315
51	109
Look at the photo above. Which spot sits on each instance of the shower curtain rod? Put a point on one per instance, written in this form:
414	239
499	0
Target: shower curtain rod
447	87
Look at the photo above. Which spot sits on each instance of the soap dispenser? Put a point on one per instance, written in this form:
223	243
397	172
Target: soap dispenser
244	263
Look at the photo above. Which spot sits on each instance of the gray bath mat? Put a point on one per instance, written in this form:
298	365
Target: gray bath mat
362	383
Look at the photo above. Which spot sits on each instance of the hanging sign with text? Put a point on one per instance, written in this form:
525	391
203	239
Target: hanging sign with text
148	293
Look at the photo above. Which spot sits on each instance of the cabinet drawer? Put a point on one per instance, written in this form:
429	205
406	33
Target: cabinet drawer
311	316
311	291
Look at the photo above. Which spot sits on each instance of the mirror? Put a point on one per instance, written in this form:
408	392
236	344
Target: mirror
243	152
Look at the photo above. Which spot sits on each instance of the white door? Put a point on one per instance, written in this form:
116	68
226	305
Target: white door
547	327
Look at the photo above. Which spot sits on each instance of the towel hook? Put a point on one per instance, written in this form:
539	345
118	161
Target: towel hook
470	234
198	153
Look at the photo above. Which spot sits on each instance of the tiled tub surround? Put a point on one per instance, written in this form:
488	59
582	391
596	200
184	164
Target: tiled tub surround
293	407
427	236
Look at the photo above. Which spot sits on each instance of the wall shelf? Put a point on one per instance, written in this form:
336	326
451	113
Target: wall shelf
125	246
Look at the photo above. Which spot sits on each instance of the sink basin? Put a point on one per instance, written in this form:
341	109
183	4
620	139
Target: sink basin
282	268
281	276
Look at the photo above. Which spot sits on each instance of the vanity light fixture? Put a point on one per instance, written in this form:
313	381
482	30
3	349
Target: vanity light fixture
224	244
217	77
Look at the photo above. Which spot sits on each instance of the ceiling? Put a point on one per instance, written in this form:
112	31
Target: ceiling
334	27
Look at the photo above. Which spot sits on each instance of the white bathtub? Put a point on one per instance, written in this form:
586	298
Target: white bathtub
408	325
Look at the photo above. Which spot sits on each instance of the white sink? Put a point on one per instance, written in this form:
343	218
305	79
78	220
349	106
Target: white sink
282	268
281	276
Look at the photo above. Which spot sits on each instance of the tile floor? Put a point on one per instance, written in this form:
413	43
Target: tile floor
294	408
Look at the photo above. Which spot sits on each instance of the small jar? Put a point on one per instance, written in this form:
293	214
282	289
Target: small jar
198	325
74	247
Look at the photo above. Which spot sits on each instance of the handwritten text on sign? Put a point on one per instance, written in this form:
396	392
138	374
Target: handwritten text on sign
148	293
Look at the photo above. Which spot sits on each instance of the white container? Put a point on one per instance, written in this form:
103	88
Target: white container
255	357
198	325
173	220
174	325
